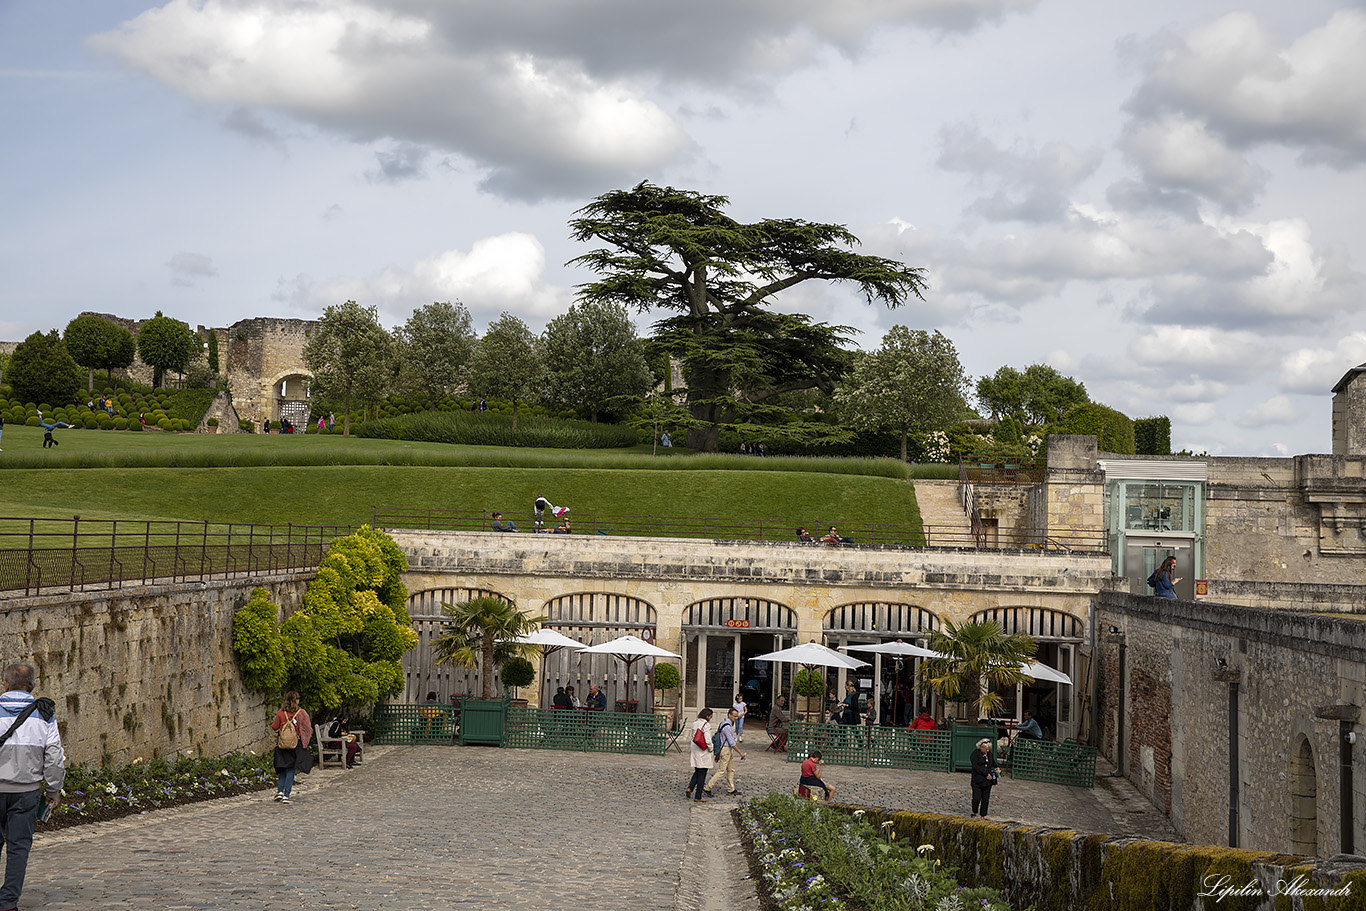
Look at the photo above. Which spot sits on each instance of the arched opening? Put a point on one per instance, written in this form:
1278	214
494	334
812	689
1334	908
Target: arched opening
888	683
721	636
1059	634
1304	808
594	618
290	395
421	674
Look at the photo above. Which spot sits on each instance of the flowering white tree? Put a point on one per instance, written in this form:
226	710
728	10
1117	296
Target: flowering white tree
914	383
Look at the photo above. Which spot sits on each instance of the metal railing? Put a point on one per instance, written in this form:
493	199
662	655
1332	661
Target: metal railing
885	534
1001	474
48	555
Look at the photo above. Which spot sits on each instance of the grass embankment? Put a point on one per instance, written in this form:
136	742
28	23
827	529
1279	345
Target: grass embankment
231	478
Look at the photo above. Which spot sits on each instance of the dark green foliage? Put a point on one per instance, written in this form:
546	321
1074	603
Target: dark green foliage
676	250
593	359
189	405
259	649
1040	395
41	370
350	355
213	352
94	341
1153	436
517	672
490	429
166	344
666	677
1113	430
507	363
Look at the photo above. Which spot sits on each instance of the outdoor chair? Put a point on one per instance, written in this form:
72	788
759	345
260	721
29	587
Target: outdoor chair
674	737
776	742
329	749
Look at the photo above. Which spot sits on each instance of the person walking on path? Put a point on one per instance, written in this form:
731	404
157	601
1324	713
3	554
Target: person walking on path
31	769
700	755
292	728
1164	586
983	777
729	748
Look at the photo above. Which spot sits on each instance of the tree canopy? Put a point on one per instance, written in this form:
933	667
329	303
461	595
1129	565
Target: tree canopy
343	646
481	632
972	653
1038	396
677	250
593	359
914	383
350	355
507	364
435	347
41	370
166	344
94	341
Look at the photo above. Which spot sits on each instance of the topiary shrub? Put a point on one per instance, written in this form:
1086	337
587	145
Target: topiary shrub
1153	436
164	424
517	672
666	677
135	425
1113	430
120	423
213	422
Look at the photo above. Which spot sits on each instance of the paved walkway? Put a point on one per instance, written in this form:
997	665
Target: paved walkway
942	511
420	828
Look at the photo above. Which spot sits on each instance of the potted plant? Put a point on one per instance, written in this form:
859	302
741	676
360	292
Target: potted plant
482	632
666	678
517	672
809	682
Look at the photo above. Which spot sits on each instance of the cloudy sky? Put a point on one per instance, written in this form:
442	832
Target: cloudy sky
1163	199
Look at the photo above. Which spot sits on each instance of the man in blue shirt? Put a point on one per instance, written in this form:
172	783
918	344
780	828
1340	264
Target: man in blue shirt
597	699
724	765
1030	728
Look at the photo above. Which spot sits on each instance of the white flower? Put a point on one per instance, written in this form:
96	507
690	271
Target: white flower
111	788
925	849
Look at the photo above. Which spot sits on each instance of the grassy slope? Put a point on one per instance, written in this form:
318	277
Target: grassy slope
347	494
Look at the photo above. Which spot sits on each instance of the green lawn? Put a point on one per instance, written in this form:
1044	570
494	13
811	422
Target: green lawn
775	491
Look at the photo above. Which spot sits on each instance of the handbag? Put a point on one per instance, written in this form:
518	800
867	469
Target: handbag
303	759
700	740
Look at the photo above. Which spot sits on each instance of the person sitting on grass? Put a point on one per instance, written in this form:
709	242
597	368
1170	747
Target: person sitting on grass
811	774
498	524
564	528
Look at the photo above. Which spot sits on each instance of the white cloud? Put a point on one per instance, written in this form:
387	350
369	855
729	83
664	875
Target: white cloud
1276	410
1316	370
504	272
188	268
1177	152
1232	74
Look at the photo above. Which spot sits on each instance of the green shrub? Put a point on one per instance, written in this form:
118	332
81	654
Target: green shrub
32	420
135	424
213	422
489	429
517	672
1153	436
164	424
666	677
1113	430
120	423
246	426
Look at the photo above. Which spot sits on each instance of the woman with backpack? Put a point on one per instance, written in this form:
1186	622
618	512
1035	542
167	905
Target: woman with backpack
700	755
292	728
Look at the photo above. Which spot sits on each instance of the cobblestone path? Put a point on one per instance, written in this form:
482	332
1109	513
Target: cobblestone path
419	828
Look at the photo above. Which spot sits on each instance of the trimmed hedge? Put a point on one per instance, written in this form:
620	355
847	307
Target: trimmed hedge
489	429
1153	436
1113	430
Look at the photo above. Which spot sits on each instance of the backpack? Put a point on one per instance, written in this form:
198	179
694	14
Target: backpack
288	736
716	746
1152	580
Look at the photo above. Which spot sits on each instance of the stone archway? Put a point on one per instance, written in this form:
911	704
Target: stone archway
875	622
289	399
1304	810
593	618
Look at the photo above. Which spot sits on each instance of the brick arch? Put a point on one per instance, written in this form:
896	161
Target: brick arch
887	619
421	674
593	618
1039	622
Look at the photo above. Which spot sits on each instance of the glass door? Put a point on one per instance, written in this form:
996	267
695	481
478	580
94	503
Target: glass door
720	680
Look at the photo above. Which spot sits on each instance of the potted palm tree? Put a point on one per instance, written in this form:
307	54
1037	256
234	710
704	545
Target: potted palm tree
481	632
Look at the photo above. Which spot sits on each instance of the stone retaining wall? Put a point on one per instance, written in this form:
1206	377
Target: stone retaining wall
144	671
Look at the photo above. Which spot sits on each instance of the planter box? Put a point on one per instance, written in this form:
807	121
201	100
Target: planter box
481	721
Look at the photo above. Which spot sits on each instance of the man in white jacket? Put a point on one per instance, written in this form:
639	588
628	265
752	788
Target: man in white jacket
31	763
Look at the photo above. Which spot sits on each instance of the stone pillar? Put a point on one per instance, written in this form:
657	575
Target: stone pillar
1349	413
1074	490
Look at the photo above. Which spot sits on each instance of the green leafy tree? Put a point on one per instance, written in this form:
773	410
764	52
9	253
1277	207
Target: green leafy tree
213	352
344	645
593	359
41	370
974	653
94	341
350	355
506	363
913	384
1113	430
435	347
1038	396
659	411
166	344
1153	436
677	250
481	632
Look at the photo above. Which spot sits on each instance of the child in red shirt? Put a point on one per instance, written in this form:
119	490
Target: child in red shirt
811	774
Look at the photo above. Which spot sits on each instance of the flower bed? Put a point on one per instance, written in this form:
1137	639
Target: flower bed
100	794
814	858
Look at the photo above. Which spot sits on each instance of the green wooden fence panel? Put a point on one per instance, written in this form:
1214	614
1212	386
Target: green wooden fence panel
588	732
407	724
875	746
1066	763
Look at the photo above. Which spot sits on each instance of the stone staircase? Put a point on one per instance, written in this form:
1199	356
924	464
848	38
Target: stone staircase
942	512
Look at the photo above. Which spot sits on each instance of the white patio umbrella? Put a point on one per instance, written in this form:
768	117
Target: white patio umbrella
550	642
811	655
1044	672
629	649
897	649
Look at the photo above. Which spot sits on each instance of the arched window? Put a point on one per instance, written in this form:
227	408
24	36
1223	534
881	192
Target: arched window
740	613
420	672
593	618
884	619
1039	622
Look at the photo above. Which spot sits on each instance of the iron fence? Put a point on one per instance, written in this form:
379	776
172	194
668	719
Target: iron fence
49	555
884	534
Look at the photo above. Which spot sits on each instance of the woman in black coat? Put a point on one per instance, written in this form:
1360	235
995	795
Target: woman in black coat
983	777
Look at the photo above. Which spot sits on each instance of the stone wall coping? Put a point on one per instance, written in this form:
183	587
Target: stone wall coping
1334	637
18	601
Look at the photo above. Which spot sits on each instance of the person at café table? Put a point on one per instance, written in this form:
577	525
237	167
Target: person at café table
573	699
597	699
561	701
1030	728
